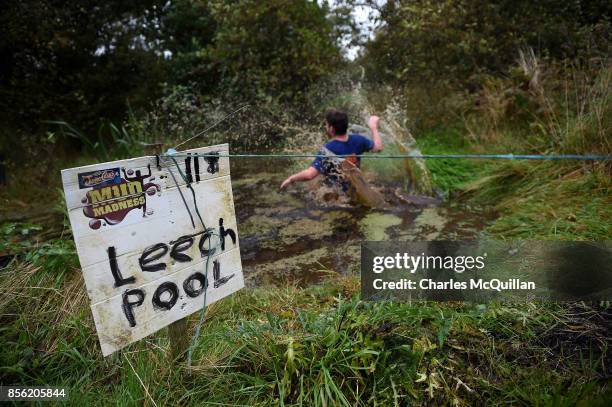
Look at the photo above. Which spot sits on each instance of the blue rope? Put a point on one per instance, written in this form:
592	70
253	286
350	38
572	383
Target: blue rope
424	156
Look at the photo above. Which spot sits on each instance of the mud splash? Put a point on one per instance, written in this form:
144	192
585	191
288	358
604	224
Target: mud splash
397	139
299	236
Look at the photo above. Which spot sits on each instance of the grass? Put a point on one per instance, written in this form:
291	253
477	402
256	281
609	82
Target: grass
315	346
111	142
451	175
534	199
559	201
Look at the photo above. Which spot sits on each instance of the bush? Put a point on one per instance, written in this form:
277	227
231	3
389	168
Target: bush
455	42
276	48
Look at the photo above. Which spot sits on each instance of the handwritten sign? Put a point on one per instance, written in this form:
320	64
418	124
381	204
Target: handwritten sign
147	260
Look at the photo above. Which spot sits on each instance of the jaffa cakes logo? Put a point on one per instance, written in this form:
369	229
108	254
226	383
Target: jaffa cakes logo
112	197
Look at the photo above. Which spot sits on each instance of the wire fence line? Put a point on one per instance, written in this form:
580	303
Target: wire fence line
174	153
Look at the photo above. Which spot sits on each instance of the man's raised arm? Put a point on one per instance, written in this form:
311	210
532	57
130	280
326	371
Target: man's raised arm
373	124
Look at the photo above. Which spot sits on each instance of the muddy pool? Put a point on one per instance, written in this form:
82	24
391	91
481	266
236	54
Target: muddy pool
300	235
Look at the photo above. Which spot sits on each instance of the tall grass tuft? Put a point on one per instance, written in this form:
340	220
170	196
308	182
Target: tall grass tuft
581	121
110	142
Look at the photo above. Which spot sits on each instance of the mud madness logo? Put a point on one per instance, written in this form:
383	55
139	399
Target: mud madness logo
112	197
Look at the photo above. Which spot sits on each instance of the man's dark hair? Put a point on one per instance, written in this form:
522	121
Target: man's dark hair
338	120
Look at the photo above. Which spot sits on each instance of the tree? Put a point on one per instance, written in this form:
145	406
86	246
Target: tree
455	40
251	48
78	61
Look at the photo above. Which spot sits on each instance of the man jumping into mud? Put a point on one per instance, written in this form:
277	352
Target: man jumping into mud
349	146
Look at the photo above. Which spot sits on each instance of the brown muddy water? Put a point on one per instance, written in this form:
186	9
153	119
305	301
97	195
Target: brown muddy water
300	235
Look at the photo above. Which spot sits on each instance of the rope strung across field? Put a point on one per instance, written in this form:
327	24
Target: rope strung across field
579	157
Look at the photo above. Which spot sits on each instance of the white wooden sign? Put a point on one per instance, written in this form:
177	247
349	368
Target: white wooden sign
143	250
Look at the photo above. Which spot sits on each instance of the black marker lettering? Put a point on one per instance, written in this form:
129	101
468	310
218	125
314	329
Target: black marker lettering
223	232
146	257
180	245
112	259
204	246
216	270
196	167
128	305
188	286
219	281
213	162
165	287
188	169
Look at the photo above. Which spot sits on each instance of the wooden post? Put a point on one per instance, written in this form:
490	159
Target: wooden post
177	331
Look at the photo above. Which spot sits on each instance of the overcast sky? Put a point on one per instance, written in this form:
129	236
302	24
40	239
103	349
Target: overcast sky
364	20
364	17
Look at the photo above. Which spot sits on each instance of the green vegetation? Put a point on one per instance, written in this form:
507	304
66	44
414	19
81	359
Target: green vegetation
451	175
100	82
535	200
444	58
314	346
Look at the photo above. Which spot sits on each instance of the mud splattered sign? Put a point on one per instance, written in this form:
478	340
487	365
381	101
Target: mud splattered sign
146	259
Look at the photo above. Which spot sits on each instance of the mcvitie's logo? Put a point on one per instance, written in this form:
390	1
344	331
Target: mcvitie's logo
99	178
112	197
